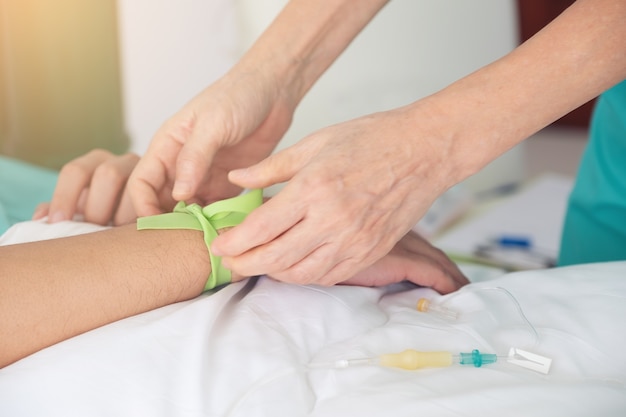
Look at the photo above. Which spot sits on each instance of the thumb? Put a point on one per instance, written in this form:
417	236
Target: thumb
192	164
274	169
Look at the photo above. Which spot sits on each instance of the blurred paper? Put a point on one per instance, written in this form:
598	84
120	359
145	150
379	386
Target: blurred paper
537	212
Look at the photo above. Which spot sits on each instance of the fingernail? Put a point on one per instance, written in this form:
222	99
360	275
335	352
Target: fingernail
38	214
181	190
56	217
240	173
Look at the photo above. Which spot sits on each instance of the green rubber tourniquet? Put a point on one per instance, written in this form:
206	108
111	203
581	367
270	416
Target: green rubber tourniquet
209	219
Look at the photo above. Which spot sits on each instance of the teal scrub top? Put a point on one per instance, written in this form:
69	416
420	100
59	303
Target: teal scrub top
22	187
595	222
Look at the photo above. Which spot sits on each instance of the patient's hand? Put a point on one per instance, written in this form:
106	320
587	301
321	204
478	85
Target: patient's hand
413	259
94	186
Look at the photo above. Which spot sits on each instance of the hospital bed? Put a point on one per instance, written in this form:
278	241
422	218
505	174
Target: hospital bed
263	348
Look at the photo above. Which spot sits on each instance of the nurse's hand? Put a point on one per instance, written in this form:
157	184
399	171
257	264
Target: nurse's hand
93	186
413	259
234	123
354	190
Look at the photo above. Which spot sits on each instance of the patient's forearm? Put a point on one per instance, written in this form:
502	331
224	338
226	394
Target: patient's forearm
53	290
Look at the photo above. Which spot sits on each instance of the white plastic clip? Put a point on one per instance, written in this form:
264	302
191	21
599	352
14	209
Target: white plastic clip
529	360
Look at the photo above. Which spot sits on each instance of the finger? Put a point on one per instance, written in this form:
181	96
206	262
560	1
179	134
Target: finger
447	266
154	173
427	272
274	169
263	225
319	260
327	266
415	260
194	161
125	213
74	177
453	270
107	185
417	245
315	268
272	259
41	211
152	176
82	201
143	186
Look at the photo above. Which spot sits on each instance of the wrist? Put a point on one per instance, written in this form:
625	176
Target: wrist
474	121
274	77
219	215
440	141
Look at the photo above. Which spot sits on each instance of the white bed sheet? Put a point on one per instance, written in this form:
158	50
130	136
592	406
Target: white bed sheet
244	351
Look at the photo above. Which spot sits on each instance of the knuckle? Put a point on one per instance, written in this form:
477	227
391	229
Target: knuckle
272	256
440	255
319	184
74	169
110	172
101	154
132	157
133	185
302	274
241	268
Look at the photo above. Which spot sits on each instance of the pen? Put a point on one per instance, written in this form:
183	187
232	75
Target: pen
514	252
511	241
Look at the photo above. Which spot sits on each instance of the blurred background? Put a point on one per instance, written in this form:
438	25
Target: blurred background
76	75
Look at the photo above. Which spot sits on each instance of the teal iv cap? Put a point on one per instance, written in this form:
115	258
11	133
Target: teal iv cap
477	359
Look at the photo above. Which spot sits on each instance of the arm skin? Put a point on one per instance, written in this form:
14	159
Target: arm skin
47	296
572	60
373	194
575	58
306	38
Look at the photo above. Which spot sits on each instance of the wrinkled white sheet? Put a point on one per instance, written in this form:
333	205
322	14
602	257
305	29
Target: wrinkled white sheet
244	351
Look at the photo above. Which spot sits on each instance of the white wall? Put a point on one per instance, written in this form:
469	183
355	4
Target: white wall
170	51
411	49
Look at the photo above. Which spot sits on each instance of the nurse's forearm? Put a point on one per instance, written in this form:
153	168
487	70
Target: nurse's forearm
572	60
53	290
305	38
